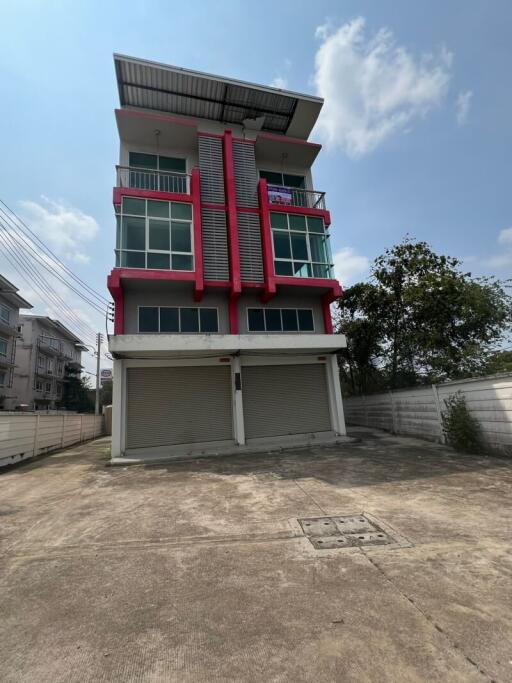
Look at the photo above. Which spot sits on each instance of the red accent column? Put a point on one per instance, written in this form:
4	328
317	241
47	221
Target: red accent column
266	243
326	311
229	186
233	314
195	191
116	289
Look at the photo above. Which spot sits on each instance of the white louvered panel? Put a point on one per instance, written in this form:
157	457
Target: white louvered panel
211	168
249	243
285	399
215	245
178	405
246	175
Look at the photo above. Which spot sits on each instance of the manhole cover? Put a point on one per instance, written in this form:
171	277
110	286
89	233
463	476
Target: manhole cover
326	533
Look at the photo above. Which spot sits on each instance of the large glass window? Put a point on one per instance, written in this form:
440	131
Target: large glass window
4	313
154	234
301	246
185	320
159	173
3	378
3	347
280	320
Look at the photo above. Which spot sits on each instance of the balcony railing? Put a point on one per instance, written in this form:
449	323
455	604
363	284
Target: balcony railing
295	196
156	181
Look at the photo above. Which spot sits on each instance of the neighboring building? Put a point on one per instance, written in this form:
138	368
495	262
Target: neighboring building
46	353
223	282
10	304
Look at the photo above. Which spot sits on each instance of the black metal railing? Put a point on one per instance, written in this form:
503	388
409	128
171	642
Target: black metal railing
295	196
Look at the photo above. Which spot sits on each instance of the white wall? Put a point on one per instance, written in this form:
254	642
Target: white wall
23	435
417	412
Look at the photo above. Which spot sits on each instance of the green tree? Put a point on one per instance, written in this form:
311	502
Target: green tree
420	319
76	392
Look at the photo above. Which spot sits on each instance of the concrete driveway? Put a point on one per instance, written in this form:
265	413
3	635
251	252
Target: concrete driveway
199	571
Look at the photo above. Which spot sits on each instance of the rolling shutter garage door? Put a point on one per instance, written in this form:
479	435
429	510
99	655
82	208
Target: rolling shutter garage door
285	399
178	405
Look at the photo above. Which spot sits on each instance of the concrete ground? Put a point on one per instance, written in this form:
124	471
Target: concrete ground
197	571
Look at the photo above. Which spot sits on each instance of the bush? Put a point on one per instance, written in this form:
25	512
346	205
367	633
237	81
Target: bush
461	429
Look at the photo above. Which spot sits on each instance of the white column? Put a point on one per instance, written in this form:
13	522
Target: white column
118	406
335	395
238	406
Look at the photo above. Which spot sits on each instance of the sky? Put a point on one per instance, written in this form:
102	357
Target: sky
415	127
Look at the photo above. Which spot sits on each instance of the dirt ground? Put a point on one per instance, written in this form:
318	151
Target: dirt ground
199	571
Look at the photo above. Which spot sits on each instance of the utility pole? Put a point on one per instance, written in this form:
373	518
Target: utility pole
99	338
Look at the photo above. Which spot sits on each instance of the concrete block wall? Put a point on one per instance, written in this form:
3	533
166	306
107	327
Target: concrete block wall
417	412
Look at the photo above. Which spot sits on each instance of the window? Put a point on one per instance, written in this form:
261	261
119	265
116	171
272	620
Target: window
280	320
48	387
183	320
60	367
301	246
39	385
3	347
49	365
154	234
5	313
285	179
160	173
40	362
59	389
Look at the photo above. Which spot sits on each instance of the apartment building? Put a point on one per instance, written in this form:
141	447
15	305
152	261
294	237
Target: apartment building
46	351
223	280
10	304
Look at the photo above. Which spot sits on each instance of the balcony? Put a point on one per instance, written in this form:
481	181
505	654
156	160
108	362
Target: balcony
6	328
152	181
282	195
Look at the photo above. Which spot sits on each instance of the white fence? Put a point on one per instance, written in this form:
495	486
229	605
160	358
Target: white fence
23	435
417	412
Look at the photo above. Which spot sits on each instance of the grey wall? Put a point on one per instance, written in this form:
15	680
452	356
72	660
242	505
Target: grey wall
174	296
280	301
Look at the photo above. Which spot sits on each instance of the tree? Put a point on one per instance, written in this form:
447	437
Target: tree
106	393
76	392
420	319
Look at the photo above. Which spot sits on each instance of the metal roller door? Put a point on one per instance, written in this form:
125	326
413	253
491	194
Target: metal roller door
285	399
178	405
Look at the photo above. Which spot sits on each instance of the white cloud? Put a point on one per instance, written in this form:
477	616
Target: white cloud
350	266
64	228
373	87
462	106
505	236
279	82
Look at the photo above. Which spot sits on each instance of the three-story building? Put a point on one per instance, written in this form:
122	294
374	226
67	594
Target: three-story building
10	304
223	279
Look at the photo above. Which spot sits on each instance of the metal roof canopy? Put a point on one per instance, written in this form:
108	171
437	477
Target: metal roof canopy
161	87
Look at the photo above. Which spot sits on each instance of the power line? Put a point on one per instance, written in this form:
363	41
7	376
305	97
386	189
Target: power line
55	258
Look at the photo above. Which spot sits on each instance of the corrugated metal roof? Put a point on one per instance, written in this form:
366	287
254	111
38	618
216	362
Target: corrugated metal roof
150	85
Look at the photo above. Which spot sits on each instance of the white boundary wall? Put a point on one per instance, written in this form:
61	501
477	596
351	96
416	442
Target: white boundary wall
417	412
24	435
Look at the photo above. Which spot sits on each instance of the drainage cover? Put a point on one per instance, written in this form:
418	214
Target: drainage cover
326	533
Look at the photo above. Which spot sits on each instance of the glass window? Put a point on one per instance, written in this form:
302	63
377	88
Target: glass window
273	319
159	235
148	319
256	320
305	317
181	211
278	221
293	180
299	247
289	320
158	261
282	245
317	246
208	320
172	164
181	239
48	387
189	320
3	347
169	319
180	262
315	224
133	259
297	222
134	233
143	160
158	209
134	207
3	376
4	313
301	269
283	267
272	177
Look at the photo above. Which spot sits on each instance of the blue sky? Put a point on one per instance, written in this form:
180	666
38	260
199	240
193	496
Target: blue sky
416	132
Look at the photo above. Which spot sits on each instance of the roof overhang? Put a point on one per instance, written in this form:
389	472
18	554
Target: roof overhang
10	292
161	87
139	128
197	345
277	148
